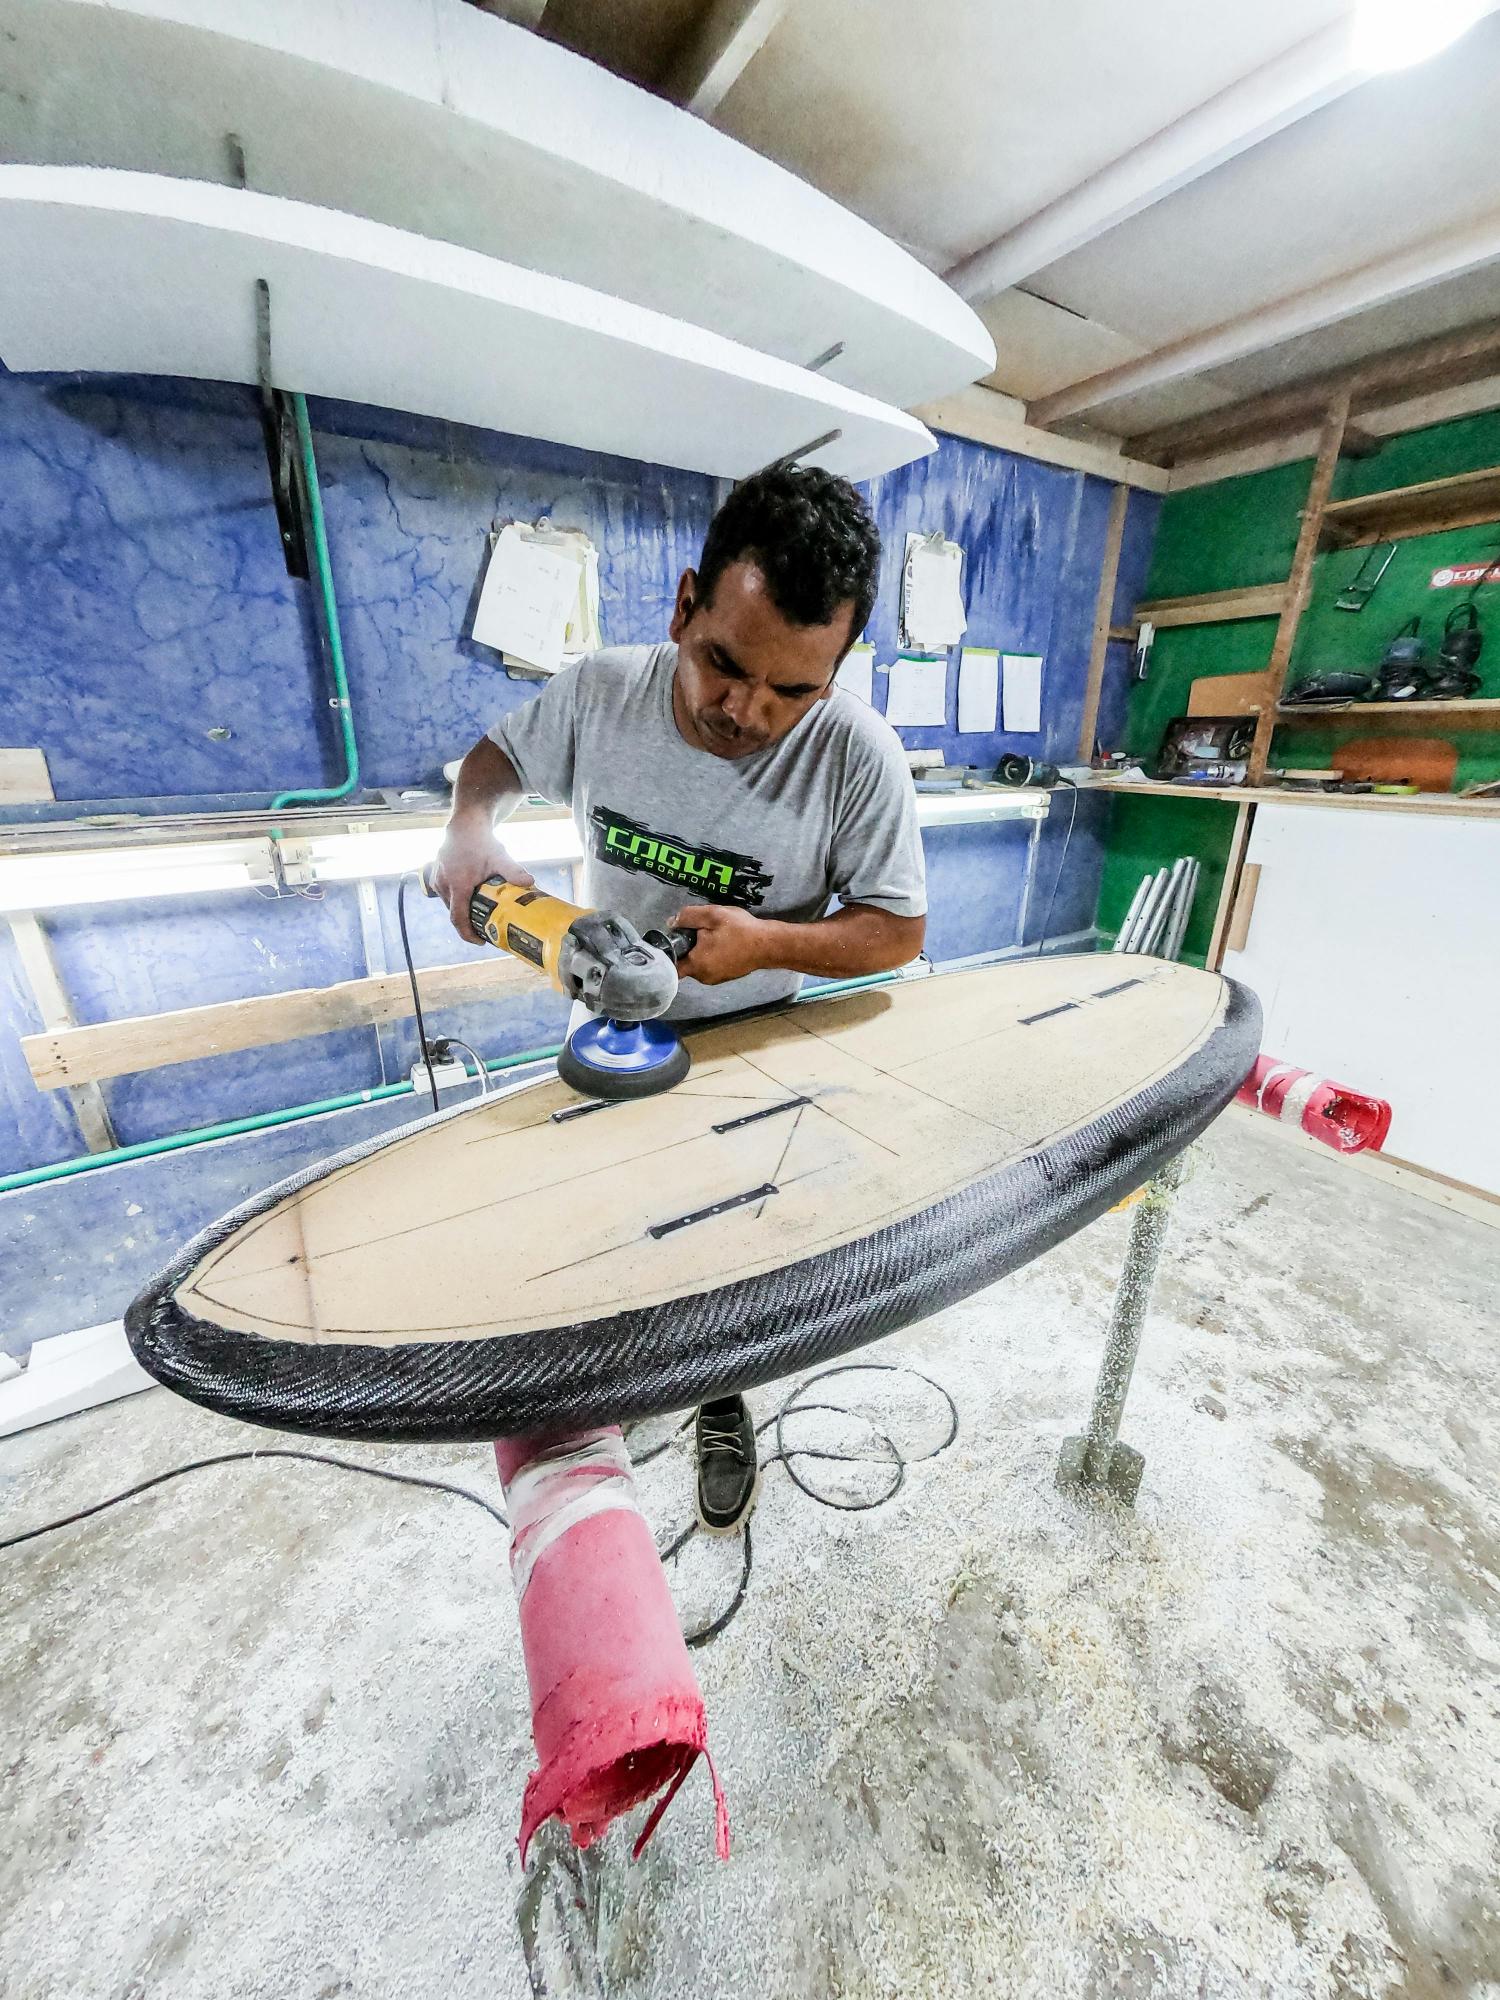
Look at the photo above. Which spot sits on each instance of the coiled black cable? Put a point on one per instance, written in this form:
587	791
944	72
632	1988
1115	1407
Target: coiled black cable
785	1454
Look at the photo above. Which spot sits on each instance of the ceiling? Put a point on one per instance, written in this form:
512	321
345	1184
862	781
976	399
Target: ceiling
952	124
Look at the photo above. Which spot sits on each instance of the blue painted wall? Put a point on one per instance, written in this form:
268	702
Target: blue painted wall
144	603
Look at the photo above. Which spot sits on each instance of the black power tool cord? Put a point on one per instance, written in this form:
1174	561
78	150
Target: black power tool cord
1062	862
242	1458
785	1454
416	997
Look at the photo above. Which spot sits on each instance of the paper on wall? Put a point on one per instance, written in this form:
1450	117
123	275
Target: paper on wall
539	600
978	690
857	672
917	694
932	598
1023	693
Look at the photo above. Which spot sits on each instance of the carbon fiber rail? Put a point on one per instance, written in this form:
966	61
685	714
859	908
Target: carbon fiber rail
669	1357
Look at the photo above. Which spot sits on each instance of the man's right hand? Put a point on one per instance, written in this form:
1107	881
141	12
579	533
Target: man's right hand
470	854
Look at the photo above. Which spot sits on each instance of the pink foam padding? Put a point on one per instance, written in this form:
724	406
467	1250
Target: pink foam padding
1349	1121
615	1709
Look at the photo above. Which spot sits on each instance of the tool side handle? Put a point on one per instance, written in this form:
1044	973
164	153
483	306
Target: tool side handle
676	944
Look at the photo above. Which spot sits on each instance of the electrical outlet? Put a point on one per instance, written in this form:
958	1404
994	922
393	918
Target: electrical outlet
446	1075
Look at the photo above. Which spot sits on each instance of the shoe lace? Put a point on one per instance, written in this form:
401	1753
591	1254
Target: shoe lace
718	1437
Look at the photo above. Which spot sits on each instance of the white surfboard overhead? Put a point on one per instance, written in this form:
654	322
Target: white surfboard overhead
434	117
127	273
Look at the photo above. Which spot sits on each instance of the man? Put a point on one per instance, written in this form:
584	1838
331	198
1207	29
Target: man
724	784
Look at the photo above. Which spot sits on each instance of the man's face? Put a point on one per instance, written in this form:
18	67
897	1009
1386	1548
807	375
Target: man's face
745	676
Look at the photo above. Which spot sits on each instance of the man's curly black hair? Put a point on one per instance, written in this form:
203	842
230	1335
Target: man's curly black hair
810	535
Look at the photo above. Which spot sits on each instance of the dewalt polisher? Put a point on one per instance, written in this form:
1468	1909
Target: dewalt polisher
626	980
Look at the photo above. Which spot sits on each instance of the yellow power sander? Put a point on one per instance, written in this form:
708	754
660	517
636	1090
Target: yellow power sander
627	981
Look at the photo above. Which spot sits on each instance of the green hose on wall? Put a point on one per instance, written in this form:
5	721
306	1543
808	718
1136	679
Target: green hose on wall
324	794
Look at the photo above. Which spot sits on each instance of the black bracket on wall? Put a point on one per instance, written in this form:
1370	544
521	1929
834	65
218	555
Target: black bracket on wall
279	430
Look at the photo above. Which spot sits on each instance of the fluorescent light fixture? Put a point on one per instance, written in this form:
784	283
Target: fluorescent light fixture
1393	34
961	808
195	868
346	857
130	875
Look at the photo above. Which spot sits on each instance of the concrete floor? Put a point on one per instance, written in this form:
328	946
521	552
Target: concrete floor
264	1731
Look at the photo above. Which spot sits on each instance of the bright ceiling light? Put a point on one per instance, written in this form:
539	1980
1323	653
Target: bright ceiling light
1393	34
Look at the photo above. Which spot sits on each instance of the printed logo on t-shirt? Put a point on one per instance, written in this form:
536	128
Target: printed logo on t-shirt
715	874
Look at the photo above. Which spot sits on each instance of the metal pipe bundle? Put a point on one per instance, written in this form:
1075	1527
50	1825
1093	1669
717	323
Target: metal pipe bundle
1157	920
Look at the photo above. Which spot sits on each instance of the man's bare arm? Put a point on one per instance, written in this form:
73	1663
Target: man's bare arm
855	940
487	789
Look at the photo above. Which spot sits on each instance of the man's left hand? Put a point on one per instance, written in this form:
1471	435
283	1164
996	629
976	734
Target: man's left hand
731	943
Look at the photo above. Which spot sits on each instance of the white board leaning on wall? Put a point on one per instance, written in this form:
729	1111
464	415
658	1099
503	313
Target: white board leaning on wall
1374	945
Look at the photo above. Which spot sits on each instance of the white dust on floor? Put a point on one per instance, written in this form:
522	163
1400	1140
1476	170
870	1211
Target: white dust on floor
270	1737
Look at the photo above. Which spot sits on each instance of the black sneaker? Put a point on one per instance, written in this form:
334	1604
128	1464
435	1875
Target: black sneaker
728	1466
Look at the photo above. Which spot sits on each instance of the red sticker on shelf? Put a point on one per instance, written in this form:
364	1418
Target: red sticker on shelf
1461	573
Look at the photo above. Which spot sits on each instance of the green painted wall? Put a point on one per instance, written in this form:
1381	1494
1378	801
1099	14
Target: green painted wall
1242	531
1147	834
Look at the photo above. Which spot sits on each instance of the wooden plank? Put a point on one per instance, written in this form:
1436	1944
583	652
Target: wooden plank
1109	570
1226	694
1428	762
1390	420
56	1010
1299	579
24	778
1396	717
1445	361
1214	607
69	1056
1239	839
1456	807
990	417
1243	908
1463	500
719	48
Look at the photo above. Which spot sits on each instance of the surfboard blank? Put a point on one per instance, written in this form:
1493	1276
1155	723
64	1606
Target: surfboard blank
441	120
135	273
825	1174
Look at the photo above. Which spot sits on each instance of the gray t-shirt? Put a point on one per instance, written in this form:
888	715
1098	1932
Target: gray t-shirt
827	812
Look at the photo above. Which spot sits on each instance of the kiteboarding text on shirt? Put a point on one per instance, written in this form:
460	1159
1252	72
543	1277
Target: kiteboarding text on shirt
715	873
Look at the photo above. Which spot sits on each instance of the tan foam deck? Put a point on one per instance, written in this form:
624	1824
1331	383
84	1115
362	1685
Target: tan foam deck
498	1220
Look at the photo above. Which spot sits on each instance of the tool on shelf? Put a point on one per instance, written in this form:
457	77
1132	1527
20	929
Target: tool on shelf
1454	678
1360	588
1145	639
626	979
1014	769
1330	690
1405	670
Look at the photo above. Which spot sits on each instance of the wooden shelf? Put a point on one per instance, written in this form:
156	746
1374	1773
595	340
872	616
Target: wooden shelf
1440	803
1214	607
1463	501
1398	718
